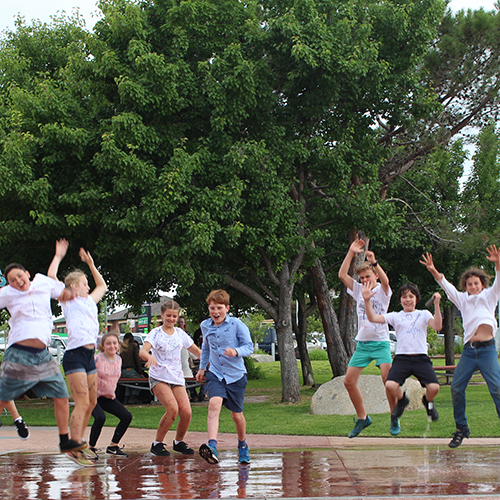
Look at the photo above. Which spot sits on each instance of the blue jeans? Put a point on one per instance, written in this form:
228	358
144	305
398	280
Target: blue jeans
484	359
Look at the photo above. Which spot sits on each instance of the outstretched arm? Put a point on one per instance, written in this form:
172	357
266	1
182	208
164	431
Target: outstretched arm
60	253
437	321
100	285
429	264
370	313
494	256
384	280
355	248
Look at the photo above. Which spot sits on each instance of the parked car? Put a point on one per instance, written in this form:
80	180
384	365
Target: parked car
266	344
458	339
57	346
139	338
393	341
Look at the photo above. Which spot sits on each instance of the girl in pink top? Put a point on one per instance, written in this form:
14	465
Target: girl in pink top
109	369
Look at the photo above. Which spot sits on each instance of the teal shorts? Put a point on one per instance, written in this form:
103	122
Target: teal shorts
367	351
24	368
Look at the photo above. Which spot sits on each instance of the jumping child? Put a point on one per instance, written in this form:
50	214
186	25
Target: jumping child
82	323
372	339
166	378
477	303
226	341
411	357
109	369
27	363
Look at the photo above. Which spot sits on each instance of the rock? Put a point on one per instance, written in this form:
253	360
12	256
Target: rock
332	397
262	358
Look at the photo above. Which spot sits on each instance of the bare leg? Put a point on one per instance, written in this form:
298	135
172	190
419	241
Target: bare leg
214	408
11	408
61	412
394	393
184	412
78	386
351	384
241	425
166	397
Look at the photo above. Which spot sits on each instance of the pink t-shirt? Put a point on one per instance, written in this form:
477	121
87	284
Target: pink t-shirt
108	374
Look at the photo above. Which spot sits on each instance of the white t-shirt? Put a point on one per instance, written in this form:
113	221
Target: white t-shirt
411	330
81	321
476	309
167	351
380	302
30	311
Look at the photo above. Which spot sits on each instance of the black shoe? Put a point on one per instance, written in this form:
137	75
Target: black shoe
91	453
115	450
22	429
458	437
159	450
431	409
400	406
71	445
183	448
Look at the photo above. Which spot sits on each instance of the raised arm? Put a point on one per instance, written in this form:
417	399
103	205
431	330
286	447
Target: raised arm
494	256
384	280
100	285
370	313
61	249
436	322
146	356
355	248
429	264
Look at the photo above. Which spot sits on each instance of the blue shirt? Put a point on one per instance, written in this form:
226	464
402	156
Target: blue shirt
231	333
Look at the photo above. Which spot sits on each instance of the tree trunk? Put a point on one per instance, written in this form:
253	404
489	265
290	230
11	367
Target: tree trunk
449	335
301	337
289	372
335	347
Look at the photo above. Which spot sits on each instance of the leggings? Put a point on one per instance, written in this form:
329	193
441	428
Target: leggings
114	407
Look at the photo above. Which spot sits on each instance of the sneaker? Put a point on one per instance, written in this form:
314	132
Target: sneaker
243	455
395	428
432	413
400	406
183	448
458	437
79	458
115	450
209	453
360	425
159	450
91	453
22	429
70	446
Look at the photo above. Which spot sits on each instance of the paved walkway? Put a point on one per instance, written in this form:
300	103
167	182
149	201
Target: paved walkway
282	466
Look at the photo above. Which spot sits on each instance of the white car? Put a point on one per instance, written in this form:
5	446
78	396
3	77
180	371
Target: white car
393	341
57	345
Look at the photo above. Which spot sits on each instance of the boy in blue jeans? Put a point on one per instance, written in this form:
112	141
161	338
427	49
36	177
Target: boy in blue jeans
226	341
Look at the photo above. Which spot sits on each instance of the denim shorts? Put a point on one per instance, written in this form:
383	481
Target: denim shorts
25	368
80	359
367	351
232	394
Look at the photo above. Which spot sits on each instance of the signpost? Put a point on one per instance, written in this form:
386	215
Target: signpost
144	319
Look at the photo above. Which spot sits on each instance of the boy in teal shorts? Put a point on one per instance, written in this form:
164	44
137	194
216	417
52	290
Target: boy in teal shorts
372	339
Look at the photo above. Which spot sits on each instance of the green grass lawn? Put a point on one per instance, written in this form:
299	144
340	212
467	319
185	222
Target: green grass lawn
274	417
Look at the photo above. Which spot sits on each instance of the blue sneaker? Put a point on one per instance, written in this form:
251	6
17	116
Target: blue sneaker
360	425
243	455
209	453
395	428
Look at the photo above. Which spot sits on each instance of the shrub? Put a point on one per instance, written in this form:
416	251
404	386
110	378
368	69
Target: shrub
318	355
254	370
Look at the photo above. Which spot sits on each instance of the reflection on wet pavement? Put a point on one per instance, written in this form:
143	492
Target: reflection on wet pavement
287	474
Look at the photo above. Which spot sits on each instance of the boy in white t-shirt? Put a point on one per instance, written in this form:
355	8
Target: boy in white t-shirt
411	357
166	378
27	364
372	339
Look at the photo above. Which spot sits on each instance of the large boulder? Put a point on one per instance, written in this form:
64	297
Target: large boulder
332	397
262	358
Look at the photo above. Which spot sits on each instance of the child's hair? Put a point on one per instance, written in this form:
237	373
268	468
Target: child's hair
73	278
170	304
14	265
218	296
473	271
100	346
409	287
365	266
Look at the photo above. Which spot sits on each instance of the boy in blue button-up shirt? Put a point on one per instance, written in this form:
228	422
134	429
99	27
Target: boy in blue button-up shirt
226	341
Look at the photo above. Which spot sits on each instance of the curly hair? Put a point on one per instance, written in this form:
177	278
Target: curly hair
474	271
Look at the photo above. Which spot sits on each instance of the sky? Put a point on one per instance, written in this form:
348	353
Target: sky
43	9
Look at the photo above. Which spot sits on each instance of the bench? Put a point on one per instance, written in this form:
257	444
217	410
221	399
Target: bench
448	372
142	384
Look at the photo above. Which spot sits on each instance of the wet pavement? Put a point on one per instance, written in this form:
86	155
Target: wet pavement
282	466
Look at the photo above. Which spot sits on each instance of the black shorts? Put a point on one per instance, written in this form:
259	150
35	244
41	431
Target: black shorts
419	365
